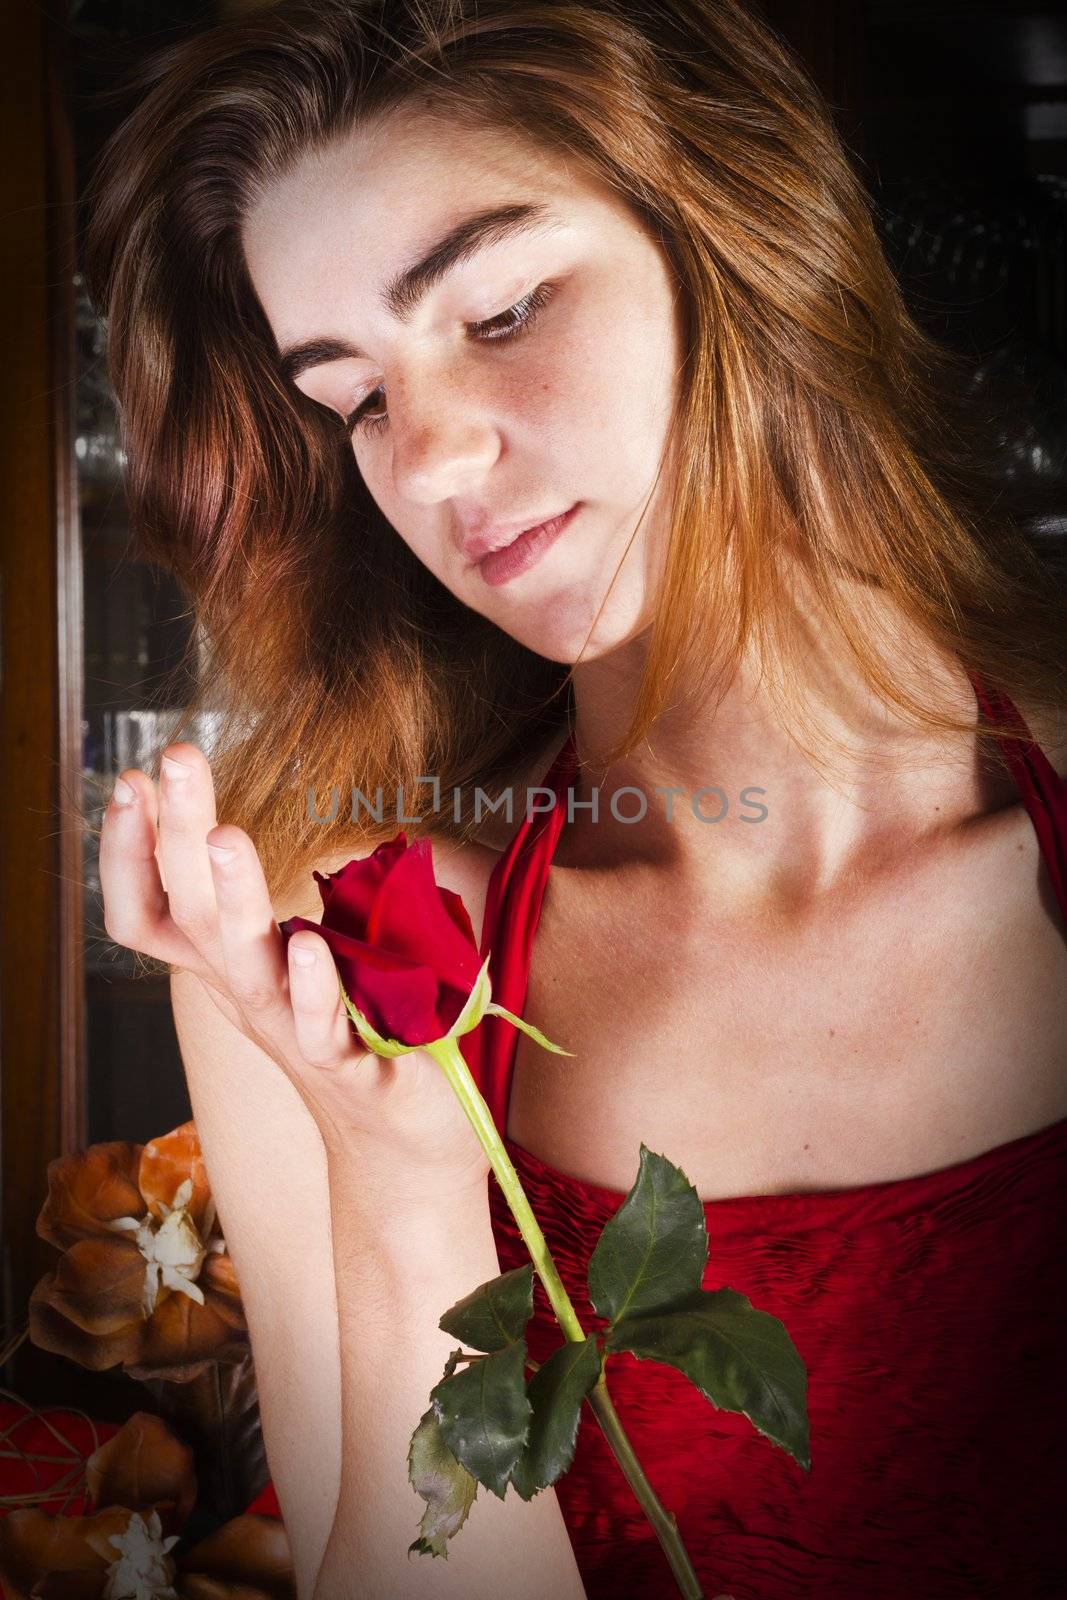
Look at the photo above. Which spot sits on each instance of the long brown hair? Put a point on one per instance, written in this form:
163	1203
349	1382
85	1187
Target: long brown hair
814	414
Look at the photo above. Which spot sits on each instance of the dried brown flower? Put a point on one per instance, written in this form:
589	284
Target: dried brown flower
143	1486
144	1279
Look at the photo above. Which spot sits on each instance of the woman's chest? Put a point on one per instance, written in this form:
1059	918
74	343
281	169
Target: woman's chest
919	1027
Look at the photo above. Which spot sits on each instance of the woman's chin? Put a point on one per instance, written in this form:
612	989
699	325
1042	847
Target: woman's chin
569	646
572	617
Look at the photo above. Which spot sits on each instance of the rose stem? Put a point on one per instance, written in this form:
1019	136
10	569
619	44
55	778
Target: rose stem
447	1054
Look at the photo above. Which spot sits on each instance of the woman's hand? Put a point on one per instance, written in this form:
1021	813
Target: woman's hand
185	890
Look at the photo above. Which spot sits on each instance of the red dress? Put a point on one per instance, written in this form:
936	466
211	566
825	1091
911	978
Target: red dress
930	1313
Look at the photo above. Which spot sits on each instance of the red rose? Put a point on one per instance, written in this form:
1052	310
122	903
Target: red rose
403	946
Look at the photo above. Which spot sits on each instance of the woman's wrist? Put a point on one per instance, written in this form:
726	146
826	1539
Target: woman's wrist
405	1222
358	1167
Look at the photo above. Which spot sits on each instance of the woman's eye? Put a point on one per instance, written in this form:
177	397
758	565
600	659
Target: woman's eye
516	319
501	329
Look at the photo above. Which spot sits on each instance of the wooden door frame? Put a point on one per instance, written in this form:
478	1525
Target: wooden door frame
42	1014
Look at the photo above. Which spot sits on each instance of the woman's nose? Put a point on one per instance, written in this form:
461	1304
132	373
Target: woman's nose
442	444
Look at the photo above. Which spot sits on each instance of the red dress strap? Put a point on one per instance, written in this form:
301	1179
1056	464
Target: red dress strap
512	912
1043	791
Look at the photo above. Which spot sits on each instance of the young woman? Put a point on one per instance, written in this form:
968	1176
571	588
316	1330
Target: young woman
523	396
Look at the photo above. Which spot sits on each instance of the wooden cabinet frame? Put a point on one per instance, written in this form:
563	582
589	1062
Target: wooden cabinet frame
42	1024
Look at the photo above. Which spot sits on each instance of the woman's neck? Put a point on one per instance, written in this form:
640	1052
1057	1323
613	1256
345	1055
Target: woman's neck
888	788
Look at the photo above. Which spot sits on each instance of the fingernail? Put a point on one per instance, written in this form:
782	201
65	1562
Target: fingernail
221	853
123	794
175	770
302	955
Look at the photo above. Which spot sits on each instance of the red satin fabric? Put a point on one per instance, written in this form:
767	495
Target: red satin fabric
930	1313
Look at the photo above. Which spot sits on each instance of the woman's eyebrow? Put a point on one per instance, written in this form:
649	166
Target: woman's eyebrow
404	292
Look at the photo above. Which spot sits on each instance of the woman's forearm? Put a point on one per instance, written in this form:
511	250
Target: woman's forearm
398	1269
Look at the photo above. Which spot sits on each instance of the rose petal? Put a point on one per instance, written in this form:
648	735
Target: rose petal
376	981
409	919
87	1190
352	889
349	952
450	1002
453	904
345	948
399	1005
404	947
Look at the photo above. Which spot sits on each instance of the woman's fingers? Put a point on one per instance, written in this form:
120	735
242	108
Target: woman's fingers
290	1004
324	1033
136	912
336	1074
182	888
249	938
295	1007
186	816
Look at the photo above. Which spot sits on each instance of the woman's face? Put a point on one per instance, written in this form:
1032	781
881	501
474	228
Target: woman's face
530	374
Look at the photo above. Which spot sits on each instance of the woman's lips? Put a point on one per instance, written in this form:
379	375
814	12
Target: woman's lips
522	553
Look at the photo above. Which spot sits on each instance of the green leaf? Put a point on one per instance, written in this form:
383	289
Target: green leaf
443	1482
741	1359
556	1392
493	1010
485	1415
655	1248
496	1313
